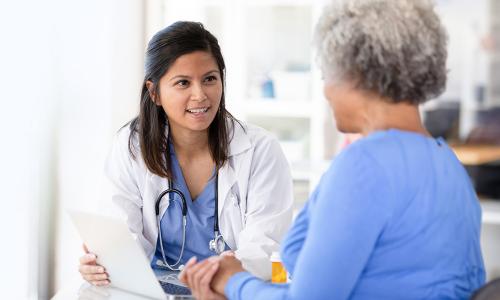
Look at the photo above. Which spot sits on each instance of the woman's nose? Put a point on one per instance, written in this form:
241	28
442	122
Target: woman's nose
198	93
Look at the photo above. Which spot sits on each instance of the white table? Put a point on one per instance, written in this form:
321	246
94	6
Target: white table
86	291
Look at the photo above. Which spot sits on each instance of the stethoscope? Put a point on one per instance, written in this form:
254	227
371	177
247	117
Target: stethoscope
216	245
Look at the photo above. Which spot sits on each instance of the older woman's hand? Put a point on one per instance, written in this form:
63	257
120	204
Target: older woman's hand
198	276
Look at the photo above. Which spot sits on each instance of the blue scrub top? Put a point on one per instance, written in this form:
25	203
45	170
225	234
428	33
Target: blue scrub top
200	221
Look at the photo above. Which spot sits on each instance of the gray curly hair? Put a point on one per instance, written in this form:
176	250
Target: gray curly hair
395	48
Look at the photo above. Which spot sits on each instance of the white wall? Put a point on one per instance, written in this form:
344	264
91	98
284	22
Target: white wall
101	67
26	102
69	78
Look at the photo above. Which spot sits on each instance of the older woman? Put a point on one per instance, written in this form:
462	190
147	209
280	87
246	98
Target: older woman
395	216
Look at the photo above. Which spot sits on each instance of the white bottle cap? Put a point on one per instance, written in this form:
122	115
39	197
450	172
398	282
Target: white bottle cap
275	257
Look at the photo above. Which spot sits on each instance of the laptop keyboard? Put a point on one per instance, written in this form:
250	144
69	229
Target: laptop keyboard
174	289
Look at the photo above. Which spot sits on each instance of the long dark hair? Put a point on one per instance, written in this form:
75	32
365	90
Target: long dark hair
163	49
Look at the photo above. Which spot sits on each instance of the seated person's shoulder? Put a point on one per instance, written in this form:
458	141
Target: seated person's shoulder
376	154
382	147
123	136
371	146
125	145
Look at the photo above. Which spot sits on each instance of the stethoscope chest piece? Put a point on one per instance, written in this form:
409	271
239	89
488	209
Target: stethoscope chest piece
217	244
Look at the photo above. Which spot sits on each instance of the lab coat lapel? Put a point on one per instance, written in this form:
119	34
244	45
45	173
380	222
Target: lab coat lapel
227	179
227	175
158	185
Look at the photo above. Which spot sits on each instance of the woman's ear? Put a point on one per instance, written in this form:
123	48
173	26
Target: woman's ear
152	94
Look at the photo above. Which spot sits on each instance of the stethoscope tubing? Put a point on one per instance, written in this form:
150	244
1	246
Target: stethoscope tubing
217	236
184	223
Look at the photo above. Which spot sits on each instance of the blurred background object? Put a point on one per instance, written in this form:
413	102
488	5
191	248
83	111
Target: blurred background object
486	128
443	120
486	136
70	78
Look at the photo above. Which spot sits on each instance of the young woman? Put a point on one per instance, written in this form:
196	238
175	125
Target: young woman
192	180
395	216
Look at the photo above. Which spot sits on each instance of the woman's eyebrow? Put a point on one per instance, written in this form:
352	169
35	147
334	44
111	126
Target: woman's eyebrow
179	77
189	77
213	71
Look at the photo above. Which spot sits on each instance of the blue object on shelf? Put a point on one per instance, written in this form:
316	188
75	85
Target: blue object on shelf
267	88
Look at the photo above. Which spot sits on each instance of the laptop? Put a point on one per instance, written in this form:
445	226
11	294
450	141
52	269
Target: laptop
124	259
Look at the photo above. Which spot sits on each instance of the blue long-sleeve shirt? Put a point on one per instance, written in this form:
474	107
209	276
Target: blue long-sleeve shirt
394	217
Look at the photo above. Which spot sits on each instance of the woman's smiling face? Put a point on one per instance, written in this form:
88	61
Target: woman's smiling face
190	91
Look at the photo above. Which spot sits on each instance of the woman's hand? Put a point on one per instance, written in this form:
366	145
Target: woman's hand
208	278
91	271
198	276
228	265
228	253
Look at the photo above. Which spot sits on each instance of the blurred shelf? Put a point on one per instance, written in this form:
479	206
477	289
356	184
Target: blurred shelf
306	170
491	211
279	2
278	108
301	175
471	155
211	2
268	39
198	3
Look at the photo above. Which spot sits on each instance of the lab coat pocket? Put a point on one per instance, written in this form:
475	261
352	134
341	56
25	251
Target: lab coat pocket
235	209
230	219
235	199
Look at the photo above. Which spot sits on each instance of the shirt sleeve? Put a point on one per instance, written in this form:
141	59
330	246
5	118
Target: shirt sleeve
121	170
346	218
269	208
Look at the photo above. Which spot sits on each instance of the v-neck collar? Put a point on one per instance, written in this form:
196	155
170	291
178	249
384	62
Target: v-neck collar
180	181
239	143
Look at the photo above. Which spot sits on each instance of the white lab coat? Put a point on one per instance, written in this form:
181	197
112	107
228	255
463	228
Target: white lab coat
255	195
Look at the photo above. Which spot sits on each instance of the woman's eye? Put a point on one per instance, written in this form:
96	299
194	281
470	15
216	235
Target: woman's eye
210	78
182	83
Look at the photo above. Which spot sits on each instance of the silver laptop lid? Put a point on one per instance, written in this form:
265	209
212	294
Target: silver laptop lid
118	251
